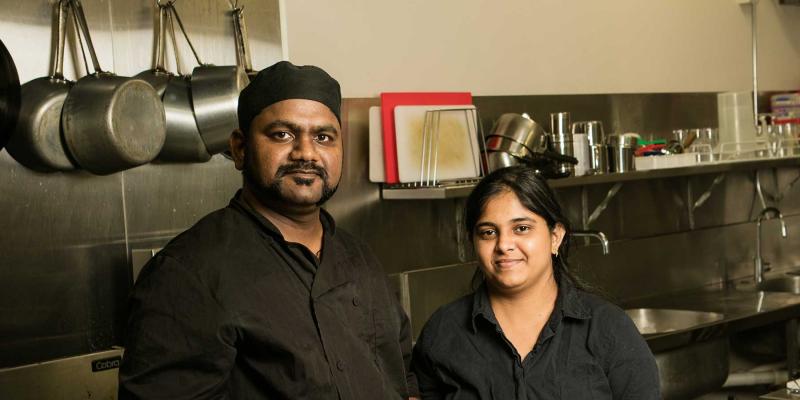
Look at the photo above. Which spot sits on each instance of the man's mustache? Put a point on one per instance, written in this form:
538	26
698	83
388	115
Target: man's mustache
302	166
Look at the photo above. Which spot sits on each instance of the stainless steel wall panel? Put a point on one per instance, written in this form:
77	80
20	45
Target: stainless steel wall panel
161	200
63	278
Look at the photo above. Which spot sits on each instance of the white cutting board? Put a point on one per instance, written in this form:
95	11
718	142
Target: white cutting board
457	153
376	167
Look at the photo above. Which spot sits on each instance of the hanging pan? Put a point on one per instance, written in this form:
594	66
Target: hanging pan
215	97
9	95
183	142
111	123
158	76
37	142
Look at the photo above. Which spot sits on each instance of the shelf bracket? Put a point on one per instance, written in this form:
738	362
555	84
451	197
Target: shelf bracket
600	207
780	192
692	204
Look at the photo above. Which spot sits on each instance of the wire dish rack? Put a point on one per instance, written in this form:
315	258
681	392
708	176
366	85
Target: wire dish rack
432	147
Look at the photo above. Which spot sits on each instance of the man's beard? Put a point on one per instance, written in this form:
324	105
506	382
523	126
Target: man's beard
274	190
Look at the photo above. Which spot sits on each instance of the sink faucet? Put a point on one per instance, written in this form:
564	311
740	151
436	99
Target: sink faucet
758	272
600	236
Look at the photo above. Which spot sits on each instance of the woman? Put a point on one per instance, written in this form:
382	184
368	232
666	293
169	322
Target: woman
527	332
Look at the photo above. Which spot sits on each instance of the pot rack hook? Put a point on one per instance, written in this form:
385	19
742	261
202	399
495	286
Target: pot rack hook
234	4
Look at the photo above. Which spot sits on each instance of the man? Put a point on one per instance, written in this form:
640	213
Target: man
266	298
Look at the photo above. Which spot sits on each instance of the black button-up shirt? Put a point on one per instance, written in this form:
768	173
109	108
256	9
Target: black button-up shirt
589	349
230	310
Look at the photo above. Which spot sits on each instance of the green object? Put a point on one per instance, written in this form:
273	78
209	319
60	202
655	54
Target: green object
643	142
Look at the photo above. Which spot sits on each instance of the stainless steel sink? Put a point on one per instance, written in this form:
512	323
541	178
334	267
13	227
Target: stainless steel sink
788	282
688	371
651	321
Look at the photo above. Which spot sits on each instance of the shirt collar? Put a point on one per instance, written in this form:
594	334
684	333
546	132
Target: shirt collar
569	304
238	203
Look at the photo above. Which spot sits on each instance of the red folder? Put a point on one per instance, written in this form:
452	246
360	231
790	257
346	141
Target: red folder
390	100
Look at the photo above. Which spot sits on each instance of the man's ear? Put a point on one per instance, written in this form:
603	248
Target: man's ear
237	143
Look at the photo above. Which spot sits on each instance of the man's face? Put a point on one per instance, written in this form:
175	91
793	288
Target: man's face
292	154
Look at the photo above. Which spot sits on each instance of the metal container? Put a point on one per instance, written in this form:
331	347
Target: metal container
562	139
37	141
599	155
214	96
496	160
521	129
621	150
506	145
111	123
594	132
596	138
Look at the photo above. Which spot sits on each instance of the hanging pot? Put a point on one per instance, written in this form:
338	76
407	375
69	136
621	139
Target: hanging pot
183	142
158	76
37	142
111	123
9	95
215	98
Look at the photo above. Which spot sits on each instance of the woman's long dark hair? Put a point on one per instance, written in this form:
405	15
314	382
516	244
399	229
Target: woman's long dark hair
534	193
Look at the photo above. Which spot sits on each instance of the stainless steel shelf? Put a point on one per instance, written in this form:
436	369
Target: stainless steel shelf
463	190
428	193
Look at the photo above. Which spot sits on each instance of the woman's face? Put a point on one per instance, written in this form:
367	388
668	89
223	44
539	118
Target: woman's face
514	245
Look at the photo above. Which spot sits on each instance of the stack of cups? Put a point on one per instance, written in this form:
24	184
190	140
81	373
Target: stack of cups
562	139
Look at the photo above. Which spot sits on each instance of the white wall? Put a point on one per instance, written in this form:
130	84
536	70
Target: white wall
516	47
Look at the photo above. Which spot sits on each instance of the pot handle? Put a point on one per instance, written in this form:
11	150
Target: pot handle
77	11
178	64
60	34
160	48
171	6
242	42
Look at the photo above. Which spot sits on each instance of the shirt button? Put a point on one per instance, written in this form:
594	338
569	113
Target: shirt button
356	301
340	365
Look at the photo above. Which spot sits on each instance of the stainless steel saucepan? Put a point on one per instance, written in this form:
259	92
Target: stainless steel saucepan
215	97
37	142
521	129
183	142
111	123
158	76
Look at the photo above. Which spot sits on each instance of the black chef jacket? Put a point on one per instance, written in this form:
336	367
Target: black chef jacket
230	310
589	349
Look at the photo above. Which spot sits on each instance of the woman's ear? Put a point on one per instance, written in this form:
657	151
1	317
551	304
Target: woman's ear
557	236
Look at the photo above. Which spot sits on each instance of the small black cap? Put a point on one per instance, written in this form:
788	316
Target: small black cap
282	81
